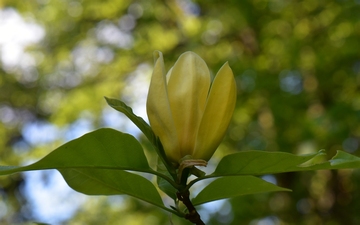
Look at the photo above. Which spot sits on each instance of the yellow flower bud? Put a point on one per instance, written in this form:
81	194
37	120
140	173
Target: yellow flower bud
188	116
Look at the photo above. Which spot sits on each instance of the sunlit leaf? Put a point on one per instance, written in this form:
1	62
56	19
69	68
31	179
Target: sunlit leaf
232	186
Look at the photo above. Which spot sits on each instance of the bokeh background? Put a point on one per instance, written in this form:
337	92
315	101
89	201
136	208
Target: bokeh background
297	67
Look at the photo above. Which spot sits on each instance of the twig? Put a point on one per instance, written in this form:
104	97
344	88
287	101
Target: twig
193	216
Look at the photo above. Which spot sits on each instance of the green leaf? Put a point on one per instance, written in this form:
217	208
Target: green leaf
137	120
261	162
232	186
112	182
94	164
163	184
144	127
103	149
343	159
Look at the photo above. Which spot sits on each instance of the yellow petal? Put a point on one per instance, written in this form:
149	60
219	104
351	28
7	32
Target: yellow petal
188	87
218	112
158	110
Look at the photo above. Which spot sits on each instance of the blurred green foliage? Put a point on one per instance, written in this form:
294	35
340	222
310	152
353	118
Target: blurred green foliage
297	66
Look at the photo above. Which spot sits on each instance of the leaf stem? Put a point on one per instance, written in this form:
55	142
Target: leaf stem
179	214
191	183
168	179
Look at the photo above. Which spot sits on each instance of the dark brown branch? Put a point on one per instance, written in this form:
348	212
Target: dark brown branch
193	216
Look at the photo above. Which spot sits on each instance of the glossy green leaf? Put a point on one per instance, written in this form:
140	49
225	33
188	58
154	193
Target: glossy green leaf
232	186
345	160
261	162
164	185
112	182
143	126
94	164
137	120
104	149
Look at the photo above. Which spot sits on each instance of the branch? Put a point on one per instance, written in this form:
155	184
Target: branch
193	216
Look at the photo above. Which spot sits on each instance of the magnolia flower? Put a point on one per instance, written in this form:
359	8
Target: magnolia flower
188	116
